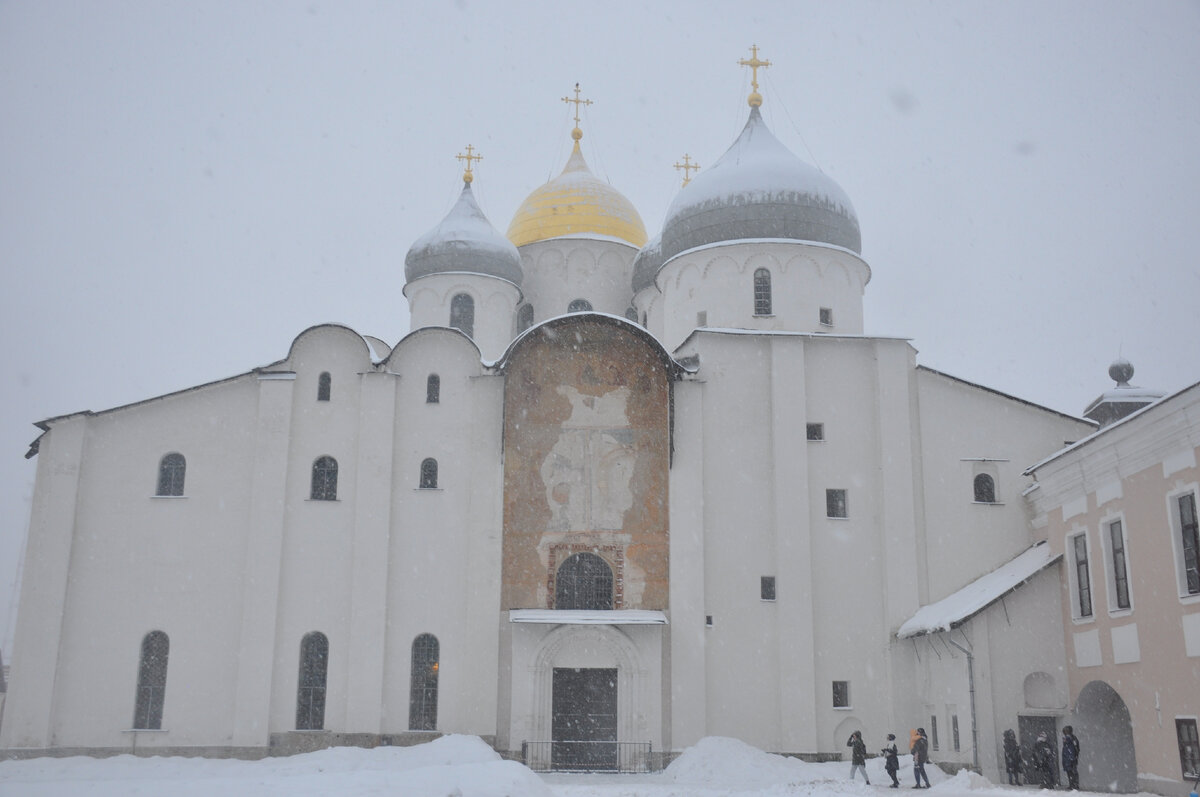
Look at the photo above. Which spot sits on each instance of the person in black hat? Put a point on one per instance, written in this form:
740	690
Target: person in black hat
920	754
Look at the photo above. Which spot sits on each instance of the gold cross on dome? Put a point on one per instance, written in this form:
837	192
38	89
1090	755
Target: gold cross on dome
467	176
687	167
755	64
577	133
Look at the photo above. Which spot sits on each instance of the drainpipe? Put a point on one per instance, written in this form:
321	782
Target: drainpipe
971	686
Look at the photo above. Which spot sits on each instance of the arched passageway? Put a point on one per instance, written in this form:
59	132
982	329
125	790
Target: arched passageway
1107	761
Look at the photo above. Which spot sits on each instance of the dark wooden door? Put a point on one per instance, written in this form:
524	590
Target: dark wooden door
584	729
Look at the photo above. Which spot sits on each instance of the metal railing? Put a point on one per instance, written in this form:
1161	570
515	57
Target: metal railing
586	756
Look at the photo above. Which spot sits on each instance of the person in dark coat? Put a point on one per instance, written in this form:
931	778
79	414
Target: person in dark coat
858	755
1012	758
1043	761
920	754
891	759
1070	757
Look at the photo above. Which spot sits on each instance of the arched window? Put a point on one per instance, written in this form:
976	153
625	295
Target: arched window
310	692
171	469
152	681
428	474
433	389
584	581
524	317
462	313
324	382
579	306
762	292
423	689
985	489
324	479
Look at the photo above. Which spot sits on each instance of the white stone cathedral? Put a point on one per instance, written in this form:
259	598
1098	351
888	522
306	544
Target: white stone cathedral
607	497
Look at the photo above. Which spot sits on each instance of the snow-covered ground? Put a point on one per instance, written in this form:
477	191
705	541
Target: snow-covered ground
457	766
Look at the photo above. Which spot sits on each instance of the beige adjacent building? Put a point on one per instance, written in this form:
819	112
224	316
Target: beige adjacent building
1120	508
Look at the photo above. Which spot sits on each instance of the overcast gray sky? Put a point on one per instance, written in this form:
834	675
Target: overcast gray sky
186	186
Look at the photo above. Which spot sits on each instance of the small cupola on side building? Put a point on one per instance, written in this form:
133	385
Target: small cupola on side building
464	274
577	236
1124	399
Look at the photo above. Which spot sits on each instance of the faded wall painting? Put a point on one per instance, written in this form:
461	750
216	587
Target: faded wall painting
586	457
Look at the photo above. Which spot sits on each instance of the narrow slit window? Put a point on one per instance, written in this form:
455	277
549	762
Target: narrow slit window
762	292
423	684
433	389
1083	584
324	479
310	692
1116	536
152	682
429	474
171	470
1189	539
462	314
324	383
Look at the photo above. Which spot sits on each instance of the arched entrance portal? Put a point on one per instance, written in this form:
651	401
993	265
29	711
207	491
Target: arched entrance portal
1107	761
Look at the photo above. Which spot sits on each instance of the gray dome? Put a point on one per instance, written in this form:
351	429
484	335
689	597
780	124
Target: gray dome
646	264
759	189
464	241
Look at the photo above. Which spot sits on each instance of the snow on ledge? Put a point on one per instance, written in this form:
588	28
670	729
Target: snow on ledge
955	609
588	616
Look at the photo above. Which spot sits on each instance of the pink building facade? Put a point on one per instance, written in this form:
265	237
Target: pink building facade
1120	507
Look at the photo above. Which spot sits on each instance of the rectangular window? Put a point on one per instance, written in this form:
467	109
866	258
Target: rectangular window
1116	539
767	588
708	620
933	734
1189	538
1083	583
841	694
702	318
835	504
826	316
815	431
1189	748
954	732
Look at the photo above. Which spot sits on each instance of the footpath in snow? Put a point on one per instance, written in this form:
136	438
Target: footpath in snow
459	766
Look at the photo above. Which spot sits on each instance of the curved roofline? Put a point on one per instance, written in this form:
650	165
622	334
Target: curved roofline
423	330
333	324
675	369
584	236
788	241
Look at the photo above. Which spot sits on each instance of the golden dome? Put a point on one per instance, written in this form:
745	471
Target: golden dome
576	203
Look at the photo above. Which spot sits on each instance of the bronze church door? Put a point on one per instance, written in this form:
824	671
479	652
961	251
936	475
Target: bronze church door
584	725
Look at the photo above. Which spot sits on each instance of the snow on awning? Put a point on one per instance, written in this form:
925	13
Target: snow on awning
953	610
588	616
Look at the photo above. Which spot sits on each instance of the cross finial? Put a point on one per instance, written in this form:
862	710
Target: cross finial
687	167
467	176
754	63
577	133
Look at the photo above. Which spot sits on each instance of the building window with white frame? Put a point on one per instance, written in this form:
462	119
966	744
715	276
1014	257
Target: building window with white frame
1189	747
1081	581
1119	576
1187	544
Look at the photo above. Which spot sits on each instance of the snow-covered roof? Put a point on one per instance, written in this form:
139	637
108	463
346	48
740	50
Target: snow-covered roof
759	189
464	241
953	610
588	616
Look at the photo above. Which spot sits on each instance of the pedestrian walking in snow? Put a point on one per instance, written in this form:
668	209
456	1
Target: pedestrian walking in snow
1070	757
1012	758
891	759
858	755
1043	761
920	754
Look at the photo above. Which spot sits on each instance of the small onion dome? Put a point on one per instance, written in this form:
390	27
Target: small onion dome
464	241
759	189
576	203
646	264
